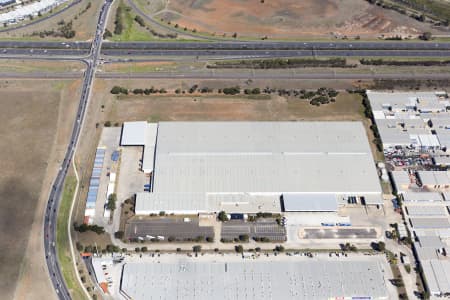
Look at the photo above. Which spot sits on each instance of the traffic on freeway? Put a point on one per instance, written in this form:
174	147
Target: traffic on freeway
55	53
55	194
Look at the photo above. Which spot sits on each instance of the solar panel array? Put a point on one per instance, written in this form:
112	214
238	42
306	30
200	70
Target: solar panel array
94	182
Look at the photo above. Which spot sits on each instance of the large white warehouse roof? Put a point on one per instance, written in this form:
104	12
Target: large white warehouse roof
250	279
264	157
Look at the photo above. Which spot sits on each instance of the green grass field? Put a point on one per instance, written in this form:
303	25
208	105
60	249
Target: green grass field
62	240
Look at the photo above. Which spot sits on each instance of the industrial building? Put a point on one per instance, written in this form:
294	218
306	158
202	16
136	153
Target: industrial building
254	279
415	120
253	166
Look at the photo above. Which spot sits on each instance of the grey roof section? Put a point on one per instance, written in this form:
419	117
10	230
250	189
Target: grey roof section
264	157
437	274
149	147
262	137
141	133
444	137
391	133
401	180
426	210
309	202
193	203
133	133
250	279
442	160
399	101
432	241
434	178
422	196
430	222
266	173
425	253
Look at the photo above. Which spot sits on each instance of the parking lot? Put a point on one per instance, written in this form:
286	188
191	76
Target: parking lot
340	233
164	227
267	228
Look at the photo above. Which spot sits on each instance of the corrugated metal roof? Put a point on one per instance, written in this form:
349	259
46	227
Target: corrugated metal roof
309	202
430	222
133	133
254	279
422	196
425	210
262	137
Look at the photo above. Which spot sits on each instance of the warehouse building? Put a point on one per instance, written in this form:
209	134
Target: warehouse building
413	120
247	166
254	279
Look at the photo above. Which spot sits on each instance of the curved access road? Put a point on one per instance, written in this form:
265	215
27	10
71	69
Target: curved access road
51	215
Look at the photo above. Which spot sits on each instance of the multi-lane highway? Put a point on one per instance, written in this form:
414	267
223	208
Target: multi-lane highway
227	49
55	194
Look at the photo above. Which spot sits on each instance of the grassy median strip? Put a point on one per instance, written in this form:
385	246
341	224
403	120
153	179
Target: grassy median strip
62	240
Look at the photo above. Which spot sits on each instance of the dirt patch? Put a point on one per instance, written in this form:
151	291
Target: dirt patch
37	116
288	18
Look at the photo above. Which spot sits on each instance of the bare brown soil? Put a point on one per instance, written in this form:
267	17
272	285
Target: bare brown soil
37	117
224	108
289	18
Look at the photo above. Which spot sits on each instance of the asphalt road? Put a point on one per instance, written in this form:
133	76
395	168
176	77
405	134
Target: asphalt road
55	194
245	74
265	45
274	53
225	54
242	74
234	45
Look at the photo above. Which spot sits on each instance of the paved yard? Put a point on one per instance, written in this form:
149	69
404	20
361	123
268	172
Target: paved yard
264	228
166	227
340	233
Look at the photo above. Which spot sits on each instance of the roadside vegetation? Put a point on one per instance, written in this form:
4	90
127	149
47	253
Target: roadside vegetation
131	27
282	63
62	240
425	63
64	28
318	97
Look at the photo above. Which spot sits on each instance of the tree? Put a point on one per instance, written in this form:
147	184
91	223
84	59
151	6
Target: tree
144	249
119	234
426	36
279	248
111	205
243	237
137	249
197	248
222	216
239	248
79	246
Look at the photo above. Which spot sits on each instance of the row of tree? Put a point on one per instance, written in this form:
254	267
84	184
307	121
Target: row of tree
283	63
426	63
